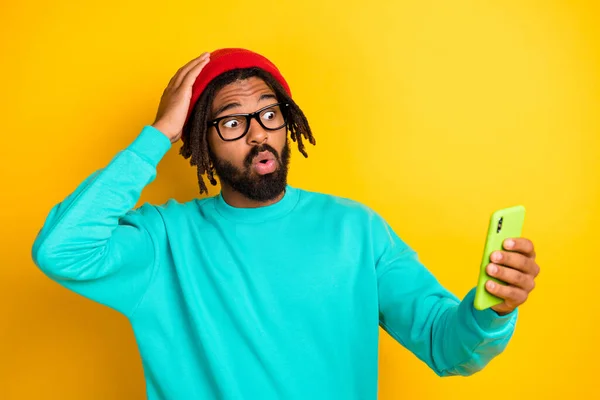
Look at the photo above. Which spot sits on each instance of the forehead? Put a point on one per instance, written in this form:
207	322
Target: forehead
240	90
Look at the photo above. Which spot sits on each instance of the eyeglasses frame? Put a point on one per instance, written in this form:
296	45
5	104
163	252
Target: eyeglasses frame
255	115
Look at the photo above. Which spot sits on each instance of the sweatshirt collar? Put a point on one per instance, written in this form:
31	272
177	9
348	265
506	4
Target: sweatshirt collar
259	214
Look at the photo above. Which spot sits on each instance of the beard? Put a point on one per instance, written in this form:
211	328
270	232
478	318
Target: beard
254	186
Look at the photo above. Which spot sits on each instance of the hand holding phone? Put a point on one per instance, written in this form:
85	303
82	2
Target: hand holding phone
505	223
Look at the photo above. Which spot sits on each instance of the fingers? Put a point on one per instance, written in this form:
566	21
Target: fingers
512	296
517	268
520	245
511	277
181	73
517	261
193	73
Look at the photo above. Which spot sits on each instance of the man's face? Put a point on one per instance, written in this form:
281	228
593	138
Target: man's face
255	165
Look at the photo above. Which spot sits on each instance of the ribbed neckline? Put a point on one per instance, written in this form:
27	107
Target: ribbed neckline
259	214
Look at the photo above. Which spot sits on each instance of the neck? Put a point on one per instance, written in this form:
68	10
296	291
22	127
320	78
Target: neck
238	200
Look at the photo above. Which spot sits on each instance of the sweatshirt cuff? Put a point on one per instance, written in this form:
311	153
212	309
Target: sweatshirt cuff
151	145
488	320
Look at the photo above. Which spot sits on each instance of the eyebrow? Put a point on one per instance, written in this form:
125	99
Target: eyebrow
234	105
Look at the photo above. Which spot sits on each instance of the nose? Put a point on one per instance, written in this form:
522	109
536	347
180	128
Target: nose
256	133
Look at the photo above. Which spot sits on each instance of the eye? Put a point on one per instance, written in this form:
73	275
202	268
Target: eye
269	115
231	123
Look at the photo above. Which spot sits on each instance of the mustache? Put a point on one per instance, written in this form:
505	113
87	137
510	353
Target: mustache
259	149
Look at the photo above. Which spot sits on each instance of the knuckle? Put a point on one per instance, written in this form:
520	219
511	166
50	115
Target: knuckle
516	261
529	266
521	280
510	292
513	298
524	281
524	264
500	289
506	257
500	272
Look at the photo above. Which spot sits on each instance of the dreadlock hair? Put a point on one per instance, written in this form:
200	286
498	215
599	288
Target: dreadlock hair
195	132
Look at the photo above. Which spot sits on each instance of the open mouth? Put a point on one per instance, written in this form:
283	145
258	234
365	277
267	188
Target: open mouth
264	163
264	157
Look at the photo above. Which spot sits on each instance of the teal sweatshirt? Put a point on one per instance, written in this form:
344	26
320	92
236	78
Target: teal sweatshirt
278	302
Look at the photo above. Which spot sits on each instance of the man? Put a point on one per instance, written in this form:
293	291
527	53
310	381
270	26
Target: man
265	291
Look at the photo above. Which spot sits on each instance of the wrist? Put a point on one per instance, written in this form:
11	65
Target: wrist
163	129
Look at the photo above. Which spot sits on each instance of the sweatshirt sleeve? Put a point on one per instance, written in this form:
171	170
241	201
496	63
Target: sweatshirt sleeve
94	242
449	335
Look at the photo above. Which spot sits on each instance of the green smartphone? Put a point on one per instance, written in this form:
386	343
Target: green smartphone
505	223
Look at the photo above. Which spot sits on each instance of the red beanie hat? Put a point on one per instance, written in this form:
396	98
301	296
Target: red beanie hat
224	60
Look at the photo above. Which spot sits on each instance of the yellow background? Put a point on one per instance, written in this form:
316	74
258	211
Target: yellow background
434	113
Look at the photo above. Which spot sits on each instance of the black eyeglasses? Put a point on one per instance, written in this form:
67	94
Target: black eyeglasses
235	126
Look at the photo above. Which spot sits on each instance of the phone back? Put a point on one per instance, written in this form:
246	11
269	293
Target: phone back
504	224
